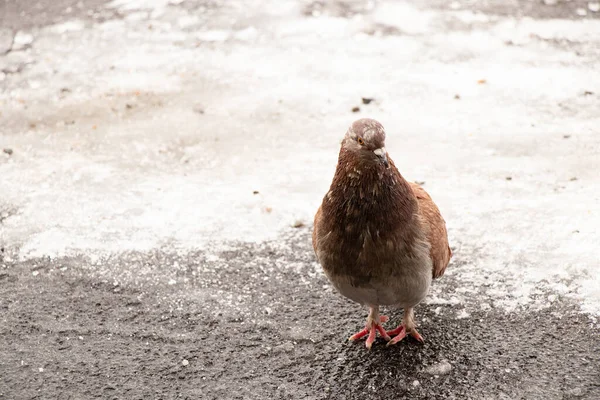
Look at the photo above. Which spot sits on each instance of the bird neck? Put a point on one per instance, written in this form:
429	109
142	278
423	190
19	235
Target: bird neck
362	191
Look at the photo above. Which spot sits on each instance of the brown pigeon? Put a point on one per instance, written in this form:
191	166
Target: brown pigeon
379	238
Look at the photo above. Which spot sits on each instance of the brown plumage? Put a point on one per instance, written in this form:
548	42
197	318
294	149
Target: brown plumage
379	238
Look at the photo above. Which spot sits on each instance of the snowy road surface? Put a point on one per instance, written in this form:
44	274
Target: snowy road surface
161	161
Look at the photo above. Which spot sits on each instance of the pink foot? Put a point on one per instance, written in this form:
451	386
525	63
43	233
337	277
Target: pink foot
372	332
400	333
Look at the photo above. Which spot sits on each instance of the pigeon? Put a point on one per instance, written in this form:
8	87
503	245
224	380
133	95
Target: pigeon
379	238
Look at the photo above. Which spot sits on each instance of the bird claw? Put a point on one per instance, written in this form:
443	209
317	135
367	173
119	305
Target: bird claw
358	335
417	336
371	329
400	333
372	332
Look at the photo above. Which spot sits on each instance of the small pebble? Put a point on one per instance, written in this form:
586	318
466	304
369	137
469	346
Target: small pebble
367	100
355	109
286	347
172	282
581	12
185	363
594	7
41	369
575	392
441	368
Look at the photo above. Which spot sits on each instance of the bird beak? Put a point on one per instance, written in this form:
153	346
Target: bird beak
382	155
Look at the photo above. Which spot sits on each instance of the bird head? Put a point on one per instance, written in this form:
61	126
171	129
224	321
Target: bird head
365	139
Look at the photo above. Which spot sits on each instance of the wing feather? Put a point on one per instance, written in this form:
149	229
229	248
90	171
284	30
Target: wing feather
436	231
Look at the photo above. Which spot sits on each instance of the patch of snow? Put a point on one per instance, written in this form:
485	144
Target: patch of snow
137	16
213	35
441	368
22	40
69	26
247	34
128	5
470	17
404	16
90	175
187	21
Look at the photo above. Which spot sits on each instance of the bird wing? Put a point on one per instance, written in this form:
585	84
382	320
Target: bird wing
436	233
314	233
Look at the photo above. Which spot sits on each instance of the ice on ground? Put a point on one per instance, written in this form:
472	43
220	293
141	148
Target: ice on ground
498	118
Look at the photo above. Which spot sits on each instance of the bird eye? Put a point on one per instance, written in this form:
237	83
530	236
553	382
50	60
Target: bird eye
360	141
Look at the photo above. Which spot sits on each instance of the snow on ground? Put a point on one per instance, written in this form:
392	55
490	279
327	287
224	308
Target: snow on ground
158	128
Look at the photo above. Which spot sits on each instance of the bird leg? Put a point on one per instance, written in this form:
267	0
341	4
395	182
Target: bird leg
373	325
407	326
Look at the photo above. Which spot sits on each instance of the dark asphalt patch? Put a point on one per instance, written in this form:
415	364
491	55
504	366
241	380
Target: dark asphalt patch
262	322
26	15
19	14
538	9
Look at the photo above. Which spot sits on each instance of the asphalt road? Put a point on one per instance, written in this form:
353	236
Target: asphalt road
259	323
155	157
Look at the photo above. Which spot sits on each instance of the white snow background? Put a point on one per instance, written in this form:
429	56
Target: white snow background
156	129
